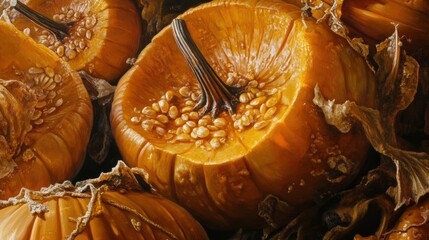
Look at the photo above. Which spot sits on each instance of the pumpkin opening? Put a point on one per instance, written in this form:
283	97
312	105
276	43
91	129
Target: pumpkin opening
168	118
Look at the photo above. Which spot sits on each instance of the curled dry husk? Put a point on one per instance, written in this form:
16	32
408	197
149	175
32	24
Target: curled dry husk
121	178
101	93
397	76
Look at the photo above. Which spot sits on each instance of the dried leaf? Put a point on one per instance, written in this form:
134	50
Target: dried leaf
268	208
101	92
159	13
398	80
101	137
354	213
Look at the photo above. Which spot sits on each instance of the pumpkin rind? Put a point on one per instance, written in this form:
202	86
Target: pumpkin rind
123	211
375	20
54	148
298	158
111	33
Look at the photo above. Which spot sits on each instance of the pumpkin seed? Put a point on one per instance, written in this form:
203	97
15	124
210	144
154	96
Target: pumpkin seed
270	112
183	137
203	132
260	125
219	122
173	112
185	91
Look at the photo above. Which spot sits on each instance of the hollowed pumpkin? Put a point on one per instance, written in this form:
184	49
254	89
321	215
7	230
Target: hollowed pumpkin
113	206
45	115
272	142
102	34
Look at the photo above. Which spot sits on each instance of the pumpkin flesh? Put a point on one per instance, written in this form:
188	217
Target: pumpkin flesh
295	156
58	124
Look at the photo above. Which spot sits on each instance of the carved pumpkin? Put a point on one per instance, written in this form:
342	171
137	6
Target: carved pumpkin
101	36
272	143
113	206
45	115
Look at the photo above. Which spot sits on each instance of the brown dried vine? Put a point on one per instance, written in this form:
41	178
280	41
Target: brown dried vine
121	178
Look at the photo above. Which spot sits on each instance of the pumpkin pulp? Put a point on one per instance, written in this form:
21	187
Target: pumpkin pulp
276	143
97	36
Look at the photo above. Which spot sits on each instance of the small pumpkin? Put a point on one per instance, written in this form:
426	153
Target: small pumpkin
45	115
257	140
114	206
97	36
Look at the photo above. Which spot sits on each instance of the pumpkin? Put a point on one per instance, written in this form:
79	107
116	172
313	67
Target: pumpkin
45	114
257	137
114	206
97	36
375	20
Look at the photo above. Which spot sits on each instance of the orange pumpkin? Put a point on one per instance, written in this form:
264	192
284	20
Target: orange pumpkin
45	112
100	37
375	20
275	145
114	206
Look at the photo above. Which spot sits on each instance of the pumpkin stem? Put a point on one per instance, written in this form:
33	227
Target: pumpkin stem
216	95
60	30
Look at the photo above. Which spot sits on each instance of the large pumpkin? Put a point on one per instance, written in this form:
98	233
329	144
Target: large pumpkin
276	146
45	115
102	35
113	206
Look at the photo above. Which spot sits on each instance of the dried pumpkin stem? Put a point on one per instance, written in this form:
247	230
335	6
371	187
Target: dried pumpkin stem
60	30
216	95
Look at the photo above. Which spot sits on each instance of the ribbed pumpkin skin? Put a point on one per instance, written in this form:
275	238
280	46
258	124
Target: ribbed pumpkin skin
58	144
375	20
17	222
114	38
290	159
